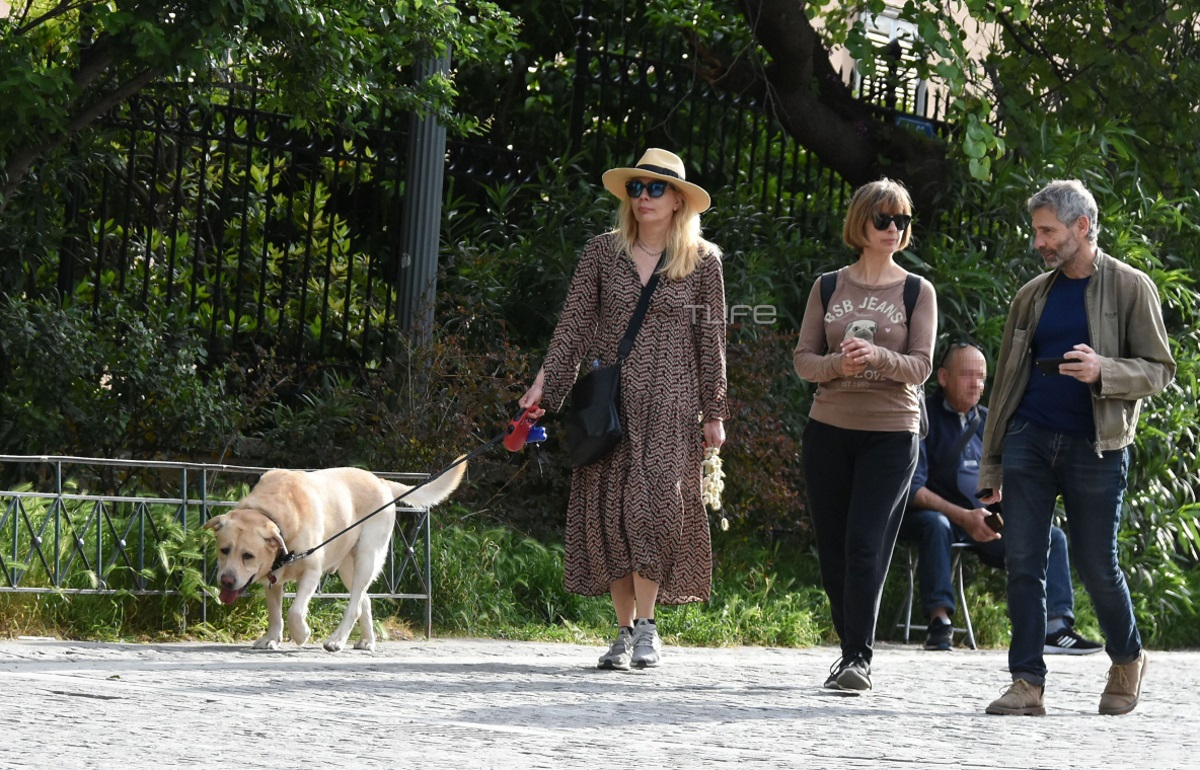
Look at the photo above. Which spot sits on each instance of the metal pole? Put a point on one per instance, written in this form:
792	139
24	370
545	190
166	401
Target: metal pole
428	517
422	215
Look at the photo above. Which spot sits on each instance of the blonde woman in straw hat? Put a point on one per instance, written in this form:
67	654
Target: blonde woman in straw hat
636	526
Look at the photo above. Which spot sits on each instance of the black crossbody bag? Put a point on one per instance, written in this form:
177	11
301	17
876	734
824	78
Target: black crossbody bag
594	420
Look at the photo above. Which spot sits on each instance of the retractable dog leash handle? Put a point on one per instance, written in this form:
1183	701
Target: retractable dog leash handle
524	430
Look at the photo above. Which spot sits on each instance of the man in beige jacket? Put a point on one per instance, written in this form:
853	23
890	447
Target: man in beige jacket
1083	345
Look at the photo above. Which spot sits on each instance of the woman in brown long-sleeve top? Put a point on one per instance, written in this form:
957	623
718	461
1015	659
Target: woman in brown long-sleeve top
636	526
869	355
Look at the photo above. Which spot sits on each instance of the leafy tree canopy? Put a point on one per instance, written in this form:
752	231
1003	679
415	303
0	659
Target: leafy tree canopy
63	64
1010	69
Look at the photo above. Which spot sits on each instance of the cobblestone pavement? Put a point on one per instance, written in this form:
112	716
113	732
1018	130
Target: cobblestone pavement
464	703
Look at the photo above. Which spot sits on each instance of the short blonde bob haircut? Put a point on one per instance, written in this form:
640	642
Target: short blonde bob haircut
885	197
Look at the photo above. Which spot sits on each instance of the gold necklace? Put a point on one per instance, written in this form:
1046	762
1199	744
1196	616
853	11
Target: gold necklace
642	246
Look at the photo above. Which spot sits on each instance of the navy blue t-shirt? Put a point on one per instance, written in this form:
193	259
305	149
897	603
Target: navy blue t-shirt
1058	402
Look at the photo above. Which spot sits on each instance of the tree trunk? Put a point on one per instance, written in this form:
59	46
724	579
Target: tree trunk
813	104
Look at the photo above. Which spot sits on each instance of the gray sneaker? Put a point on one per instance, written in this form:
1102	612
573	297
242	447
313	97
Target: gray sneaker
620	654
647	647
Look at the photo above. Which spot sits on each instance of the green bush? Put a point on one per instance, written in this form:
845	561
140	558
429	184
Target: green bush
111	382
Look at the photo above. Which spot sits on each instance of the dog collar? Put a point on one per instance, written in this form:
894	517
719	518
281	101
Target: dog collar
282	559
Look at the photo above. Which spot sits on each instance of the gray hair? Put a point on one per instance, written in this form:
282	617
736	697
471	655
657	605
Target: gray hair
1070	200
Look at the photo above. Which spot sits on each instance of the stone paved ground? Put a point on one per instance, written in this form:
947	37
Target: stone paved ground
462	703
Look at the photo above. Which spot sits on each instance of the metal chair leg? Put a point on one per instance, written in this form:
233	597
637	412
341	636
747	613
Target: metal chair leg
907	608
962	598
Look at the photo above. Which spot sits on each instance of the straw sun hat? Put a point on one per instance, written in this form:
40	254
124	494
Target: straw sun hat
657	164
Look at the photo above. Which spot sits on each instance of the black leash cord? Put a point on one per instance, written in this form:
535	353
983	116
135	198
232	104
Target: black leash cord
284	559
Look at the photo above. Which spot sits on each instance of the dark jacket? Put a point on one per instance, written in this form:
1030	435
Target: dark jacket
937	471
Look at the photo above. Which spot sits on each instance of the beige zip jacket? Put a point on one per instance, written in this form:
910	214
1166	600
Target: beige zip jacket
1125	324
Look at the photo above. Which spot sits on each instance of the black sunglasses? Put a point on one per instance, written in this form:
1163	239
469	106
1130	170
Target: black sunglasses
656	188
881	221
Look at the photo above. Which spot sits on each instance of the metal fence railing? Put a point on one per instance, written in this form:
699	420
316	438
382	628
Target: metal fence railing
85	525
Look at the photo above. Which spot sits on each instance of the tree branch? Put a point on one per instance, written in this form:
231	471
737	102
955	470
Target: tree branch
22	158
61	9
803	91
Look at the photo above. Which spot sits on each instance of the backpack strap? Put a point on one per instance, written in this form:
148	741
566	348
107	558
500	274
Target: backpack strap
828	284
912	290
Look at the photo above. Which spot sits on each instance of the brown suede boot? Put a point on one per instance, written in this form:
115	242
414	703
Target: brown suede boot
1022	698
1124	686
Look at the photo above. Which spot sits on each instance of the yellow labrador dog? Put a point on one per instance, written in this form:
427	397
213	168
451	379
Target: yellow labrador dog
293	511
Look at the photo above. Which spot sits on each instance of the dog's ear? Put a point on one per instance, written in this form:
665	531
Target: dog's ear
216	522
274	538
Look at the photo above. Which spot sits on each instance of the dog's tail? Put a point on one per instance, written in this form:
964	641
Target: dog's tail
432	493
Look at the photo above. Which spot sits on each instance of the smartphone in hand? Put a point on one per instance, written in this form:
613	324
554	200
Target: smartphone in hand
994	520
1050	365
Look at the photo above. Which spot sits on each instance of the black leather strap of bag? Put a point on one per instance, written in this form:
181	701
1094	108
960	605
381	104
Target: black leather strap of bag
639	312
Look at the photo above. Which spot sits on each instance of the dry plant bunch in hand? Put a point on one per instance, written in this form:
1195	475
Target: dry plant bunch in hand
713	482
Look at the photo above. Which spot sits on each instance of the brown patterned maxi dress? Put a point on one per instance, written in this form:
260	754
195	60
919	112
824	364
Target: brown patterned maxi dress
639	508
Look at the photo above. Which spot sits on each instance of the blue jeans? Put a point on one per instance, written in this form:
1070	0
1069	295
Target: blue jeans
934	534
1040	464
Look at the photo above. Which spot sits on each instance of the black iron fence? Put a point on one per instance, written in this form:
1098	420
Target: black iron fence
636	89
265	234
273	237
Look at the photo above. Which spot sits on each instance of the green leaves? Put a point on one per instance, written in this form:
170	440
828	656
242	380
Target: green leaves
346	59
74	385
979	144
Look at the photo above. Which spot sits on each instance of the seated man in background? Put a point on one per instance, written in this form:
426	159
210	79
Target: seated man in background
942	508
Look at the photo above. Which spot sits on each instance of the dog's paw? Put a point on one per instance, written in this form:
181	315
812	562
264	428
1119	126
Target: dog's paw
334	645
365	644
299	631
267	643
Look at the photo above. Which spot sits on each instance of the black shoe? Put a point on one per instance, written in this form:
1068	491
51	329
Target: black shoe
940	635
1066	642
854	674
834	670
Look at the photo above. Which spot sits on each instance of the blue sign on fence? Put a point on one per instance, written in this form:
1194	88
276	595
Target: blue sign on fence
920	125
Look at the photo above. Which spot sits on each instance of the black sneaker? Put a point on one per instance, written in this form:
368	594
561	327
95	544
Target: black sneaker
1066	642
832	681
836	669
940	635
855	674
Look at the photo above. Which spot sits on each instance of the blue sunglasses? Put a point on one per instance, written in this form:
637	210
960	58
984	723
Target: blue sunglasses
655	188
